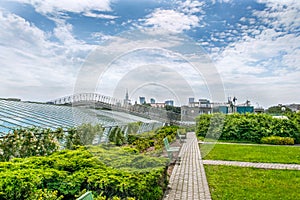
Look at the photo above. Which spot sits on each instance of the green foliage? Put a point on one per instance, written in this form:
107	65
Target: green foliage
126	158
174	109
66	174
144	141
181	131
295	119
202	124
247	127
29	142
278	110
116	136
189	127
87	133
82	135
133	127
277	140
34	141
42	194
72	139
173	113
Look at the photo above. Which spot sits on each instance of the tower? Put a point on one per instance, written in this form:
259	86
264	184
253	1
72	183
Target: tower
126	100
126	96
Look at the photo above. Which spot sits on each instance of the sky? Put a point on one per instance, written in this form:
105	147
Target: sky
162	49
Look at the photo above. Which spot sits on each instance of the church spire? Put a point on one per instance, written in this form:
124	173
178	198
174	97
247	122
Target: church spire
126	95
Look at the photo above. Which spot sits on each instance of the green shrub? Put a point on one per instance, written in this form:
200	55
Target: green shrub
27	142
65	174
153	138
82	135
247	127
277	140
116	136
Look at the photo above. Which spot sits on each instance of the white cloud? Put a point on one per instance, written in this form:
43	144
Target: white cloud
129	60
264	62
75	6
185	16
171	20
283	15
96	15
31	64
191	7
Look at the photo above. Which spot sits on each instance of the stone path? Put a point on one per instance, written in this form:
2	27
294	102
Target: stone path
188	180
251	164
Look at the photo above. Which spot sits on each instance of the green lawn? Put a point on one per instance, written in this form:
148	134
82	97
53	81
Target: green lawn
228	182
251	153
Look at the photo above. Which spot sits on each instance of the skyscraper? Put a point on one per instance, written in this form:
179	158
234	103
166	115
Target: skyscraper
152	101
142	100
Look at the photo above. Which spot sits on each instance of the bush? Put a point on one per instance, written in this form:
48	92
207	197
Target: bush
66	174
116	136
277	140
152	139
27	142
247	127
33	141
82	135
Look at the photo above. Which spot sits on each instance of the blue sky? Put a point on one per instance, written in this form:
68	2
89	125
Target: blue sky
254	45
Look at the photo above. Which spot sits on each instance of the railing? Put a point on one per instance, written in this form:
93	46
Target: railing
101	101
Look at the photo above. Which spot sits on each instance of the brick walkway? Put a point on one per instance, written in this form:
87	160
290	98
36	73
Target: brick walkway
251	164
188	180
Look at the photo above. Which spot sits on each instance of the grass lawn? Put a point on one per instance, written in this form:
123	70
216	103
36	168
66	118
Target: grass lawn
252	153
228	182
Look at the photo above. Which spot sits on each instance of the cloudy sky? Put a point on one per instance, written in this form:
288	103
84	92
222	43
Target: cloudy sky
253	45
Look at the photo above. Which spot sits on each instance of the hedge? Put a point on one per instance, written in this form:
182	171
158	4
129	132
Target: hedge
246	127
144	141
278	140
67	173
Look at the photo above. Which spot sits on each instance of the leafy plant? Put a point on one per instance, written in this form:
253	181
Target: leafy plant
144	141
247	127
67	173
30	142
116	136
277	140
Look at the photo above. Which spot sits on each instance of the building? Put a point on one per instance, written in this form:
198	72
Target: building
190	113
221	109
193	109
191	99
244	109
169	102
259	110
126	100
142	100
158	105
152	101
204	106
294	107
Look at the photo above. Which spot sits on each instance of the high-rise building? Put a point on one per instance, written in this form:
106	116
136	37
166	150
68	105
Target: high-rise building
152	101
126	100
191	100
142	100
169	102
126	95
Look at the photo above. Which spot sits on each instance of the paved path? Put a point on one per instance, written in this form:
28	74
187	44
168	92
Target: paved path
188	180
251	164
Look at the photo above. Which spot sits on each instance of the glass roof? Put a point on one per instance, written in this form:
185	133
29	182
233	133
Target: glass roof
16	114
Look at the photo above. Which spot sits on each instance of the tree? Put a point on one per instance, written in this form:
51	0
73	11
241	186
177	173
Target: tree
278	110
116	136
